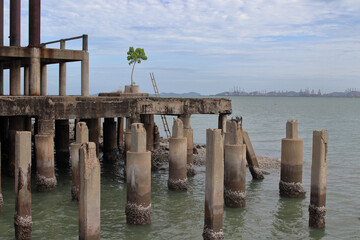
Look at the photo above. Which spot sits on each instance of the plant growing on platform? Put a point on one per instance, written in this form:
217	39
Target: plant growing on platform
135	57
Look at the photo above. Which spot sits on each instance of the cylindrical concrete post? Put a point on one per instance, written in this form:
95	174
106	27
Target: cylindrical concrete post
177	158
317	208
26	81
138	169
82	132
93	126
22	218
34	23
110	147
15	124
214	185
235	166
34	72
43	80
253	164
45	169
290	184
127	135
89	198
15	30
62	142
62	74
222	122
188	133
148	120
120	128
157	138
85	75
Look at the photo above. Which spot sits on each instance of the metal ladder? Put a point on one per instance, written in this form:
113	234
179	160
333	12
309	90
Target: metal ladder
163	117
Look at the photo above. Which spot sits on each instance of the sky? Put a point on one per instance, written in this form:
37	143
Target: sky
206	46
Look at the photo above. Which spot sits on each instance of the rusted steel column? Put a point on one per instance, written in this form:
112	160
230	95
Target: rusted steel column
120	128
62	141
177	158
148	120
110	147
290	184
62	74
317	208
235	166
1	196
89	198
22	218
93	126
138	168
156	138
82	136
34	71
34	23
188	133
251	158
214	185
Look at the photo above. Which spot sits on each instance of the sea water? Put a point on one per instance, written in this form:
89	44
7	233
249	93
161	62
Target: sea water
179	215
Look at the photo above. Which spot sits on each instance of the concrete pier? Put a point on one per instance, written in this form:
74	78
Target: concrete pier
120	129
34	73
15	124
43	80
110	146
290	184
22	218
214	185
251	158
148	120
89	199
188	133
138	167
177	158
93	126
127	135
317	208
156	138
62	141
235	166
45	169
62	73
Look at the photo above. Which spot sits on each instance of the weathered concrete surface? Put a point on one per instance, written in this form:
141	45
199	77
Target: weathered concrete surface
82	132
22	217
94	132
317	208
110	146
156	138
148	121
89	199
120	135
189	134
177	158
45	169
15	124
251	158
62	141
34	72
290	184
75	174
138	173
214	185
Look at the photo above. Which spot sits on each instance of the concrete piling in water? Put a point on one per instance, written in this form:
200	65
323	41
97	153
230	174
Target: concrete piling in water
156	138
234	166
120	129
110	146
138	167
127	136
22	218
82	136
1	196
62	142
177	158
15	124
188	133
317	208
290	184
93	126
89	198
45	169
214	185
251	158
148	120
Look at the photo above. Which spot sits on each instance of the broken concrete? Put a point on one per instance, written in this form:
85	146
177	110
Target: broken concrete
252	161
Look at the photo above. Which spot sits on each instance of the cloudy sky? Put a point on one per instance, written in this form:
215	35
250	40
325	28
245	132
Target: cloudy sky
208	46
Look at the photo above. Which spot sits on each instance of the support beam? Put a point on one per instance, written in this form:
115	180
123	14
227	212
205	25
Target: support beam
93	126
110	147
85	75
43	80
120	130
35	71
188	133
1	196
1	44
62	142
34	23
251	158
148	120
22	218
26	81
15	31
15	124
62	74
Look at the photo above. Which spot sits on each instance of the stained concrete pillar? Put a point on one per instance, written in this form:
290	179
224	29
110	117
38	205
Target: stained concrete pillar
34	23
43	80
1	196
214	185
82	136
235	166
290	184
138	168
120	135
188	133
110	147
26	81
22	218
93	126
34	72
85	75
177	158
148	120
62	73
15	124
317	208
89	198
251	158
62	141
15	31
157	138
127	135
222	122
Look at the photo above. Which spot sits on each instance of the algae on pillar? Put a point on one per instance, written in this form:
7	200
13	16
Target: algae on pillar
188	133
235	166
290	184
22	218
177	158
214	185
317	208
138	178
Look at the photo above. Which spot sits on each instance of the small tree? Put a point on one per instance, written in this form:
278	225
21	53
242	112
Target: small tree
135	57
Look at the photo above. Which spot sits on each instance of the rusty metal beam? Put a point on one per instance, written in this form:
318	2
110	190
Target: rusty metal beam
34	23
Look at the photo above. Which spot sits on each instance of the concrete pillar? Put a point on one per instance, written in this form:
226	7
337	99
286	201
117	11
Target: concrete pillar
214	185
1	44
62	74
85	75
222	122
15	124
188	133
120	128
253	164
93	126
110	147
89	198
82	137
290	184
177	158
317	208
148	120
127	135
34	23
22	218
157	138
15	30
138	168
26	81
235	166
45	168
34	71
1	196
43	80
62	141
